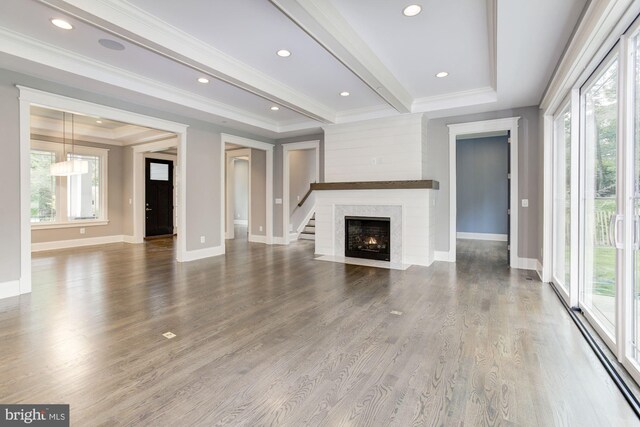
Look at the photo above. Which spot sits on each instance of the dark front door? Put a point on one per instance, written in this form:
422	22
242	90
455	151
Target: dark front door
159	197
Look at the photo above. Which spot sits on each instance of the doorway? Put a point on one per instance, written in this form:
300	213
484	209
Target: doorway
238	192
260	187
483	189
31	97
487	128
301	167
159	198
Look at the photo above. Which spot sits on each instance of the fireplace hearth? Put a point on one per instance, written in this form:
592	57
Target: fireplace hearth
367	237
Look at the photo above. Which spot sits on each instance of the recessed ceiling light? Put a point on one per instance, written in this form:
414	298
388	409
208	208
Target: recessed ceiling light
442	74
203	80
345	93
99	122
61	23
111	44
412	10
275	108
283	53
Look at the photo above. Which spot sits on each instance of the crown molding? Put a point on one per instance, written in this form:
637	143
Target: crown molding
144	29
330	29
34	50
485	95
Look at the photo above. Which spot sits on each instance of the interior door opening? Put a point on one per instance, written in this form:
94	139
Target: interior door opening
483	190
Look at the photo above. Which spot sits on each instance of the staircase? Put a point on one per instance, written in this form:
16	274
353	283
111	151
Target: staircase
309	231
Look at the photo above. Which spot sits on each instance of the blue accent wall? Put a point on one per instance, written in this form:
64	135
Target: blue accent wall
482	185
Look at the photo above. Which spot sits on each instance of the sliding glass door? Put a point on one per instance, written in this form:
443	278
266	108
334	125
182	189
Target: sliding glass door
596	199
633	210
562	199
600	205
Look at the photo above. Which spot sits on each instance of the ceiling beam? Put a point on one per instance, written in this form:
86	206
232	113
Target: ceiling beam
137	26
328	27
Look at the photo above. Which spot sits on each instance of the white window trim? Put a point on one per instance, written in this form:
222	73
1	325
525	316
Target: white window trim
61	185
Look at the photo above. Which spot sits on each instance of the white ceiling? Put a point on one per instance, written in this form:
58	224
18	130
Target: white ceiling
385	60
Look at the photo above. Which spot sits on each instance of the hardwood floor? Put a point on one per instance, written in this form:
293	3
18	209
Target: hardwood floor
267	336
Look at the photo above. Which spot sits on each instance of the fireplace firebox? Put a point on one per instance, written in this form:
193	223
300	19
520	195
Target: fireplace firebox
367	237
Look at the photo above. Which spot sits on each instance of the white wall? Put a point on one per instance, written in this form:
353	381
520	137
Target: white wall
376	150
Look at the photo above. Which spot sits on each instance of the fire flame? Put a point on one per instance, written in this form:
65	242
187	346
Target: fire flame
371	241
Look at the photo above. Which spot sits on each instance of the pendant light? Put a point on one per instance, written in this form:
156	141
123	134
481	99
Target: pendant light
73	166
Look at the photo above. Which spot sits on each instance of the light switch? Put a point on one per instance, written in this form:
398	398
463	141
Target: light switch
278	201
525	203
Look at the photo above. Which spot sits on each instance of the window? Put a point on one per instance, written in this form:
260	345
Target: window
61	201
83	191
43	187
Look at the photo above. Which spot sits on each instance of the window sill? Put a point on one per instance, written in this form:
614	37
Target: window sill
91	223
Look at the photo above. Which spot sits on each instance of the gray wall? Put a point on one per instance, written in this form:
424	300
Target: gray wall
127	191
482	185
241	189
302	172
529	167
278	189
10	179
258	192
204	196
115	194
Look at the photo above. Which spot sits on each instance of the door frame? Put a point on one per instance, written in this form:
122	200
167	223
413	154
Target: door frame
484	126
286	149
258	145
29	97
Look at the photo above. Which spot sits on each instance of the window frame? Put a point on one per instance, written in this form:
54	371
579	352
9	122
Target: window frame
61	218
565	107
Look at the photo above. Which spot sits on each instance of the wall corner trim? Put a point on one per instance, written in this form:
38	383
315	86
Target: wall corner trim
203	253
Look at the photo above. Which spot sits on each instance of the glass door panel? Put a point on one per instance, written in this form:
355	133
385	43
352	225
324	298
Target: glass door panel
562	199
635	196
600	206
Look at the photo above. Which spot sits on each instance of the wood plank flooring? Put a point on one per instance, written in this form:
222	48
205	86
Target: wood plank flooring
268	336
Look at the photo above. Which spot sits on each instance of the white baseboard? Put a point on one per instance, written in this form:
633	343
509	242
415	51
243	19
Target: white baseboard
9	289
76	243
539	270
278	240
442	256
241	221
483	236
203	253
293	236
130	239
257	239
526	263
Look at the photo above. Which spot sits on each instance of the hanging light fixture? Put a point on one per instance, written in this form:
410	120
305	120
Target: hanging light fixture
73	166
